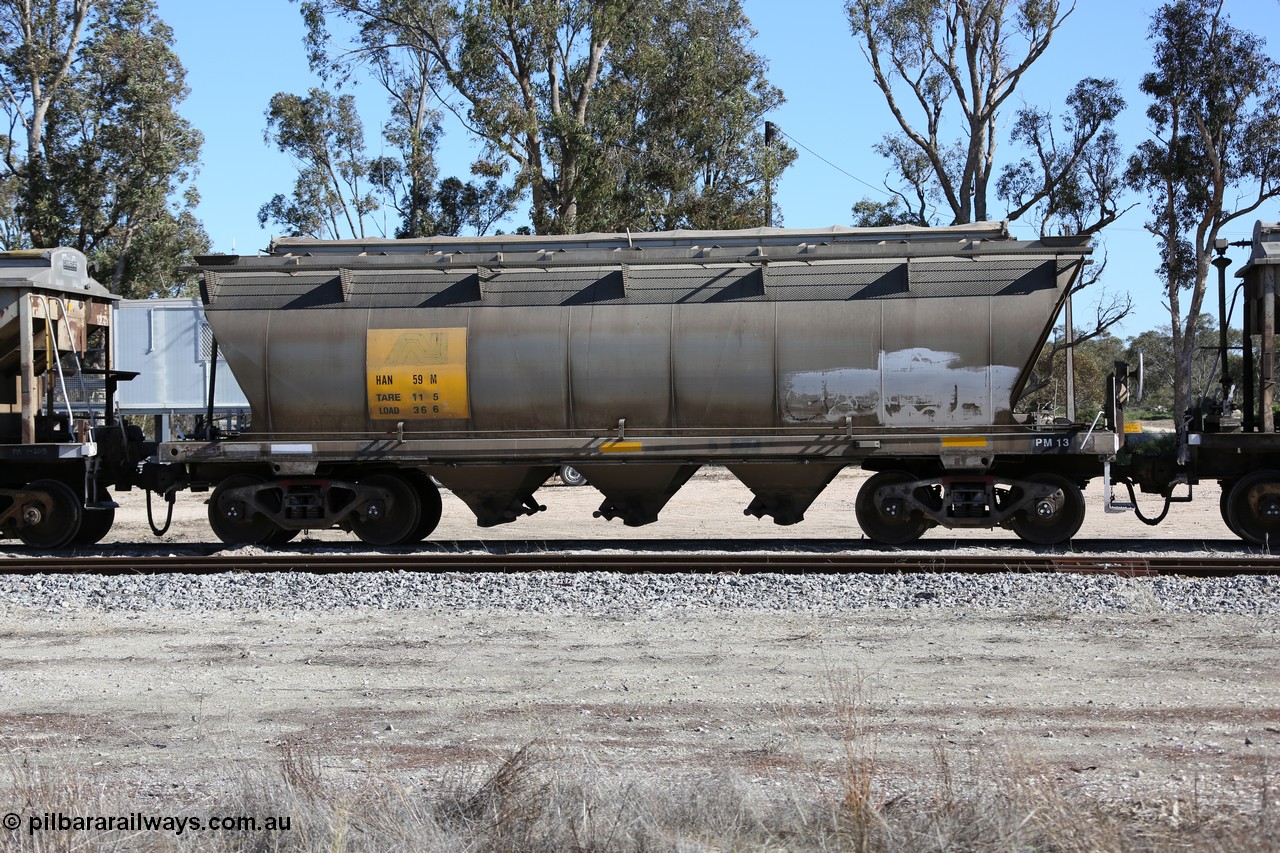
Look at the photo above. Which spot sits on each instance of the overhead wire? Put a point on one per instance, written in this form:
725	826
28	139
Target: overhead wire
883	191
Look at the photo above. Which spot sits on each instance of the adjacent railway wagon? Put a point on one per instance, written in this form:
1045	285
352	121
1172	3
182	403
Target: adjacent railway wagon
60	446
1229	434
377	369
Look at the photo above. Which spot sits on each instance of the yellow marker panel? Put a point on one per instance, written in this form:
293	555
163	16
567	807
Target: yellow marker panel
417	374
964	441
1133	426
621	447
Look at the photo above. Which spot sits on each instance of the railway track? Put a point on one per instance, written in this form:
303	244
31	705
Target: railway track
667	561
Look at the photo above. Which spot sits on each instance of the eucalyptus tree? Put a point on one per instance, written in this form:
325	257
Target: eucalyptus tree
571	99
98	156
1214	155
679	124
333	194
387	43
947	70
39	45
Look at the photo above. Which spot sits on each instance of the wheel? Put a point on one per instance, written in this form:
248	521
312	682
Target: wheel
431	506
1224	505
888	520
233	519
95	523
1253	508
392	519
571	476
57	526
1054	518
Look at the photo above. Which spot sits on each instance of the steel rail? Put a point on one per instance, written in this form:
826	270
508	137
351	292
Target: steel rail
327	562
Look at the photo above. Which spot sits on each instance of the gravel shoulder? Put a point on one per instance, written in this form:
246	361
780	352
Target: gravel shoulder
1143	707
1142	692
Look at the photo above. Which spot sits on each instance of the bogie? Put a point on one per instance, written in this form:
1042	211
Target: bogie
896	508
382	508
236	511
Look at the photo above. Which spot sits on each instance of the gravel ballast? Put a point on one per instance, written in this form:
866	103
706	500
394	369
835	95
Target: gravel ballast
655	596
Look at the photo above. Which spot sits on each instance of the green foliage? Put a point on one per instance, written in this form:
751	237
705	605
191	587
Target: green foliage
968	57
323	134
1160	362
469	206
104	162
678	121
1069	184
1094	358
1155	444
908	206
1156	347
609	114
869	213
1214	156
392	42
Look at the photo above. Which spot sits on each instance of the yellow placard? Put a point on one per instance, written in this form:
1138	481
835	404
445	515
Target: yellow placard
619	446
417	374
1133	426
964	441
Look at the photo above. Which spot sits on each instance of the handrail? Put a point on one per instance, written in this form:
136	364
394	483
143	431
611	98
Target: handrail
52	338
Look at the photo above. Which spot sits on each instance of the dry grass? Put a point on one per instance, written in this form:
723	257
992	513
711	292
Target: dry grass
538	800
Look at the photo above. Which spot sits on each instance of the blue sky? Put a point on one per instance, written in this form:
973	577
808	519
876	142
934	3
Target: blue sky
239	53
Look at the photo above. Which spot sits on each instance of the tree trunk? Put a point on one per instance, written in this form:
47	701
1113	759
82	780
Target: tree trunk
39	36
117	275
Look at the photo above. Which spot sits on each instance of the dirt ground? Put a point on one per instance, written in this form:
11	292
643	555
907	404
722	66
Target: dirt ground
1148	709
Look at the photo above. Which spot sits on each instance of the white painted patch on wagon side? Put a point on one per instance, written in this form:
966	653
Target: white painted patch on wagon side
293	448
909	387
